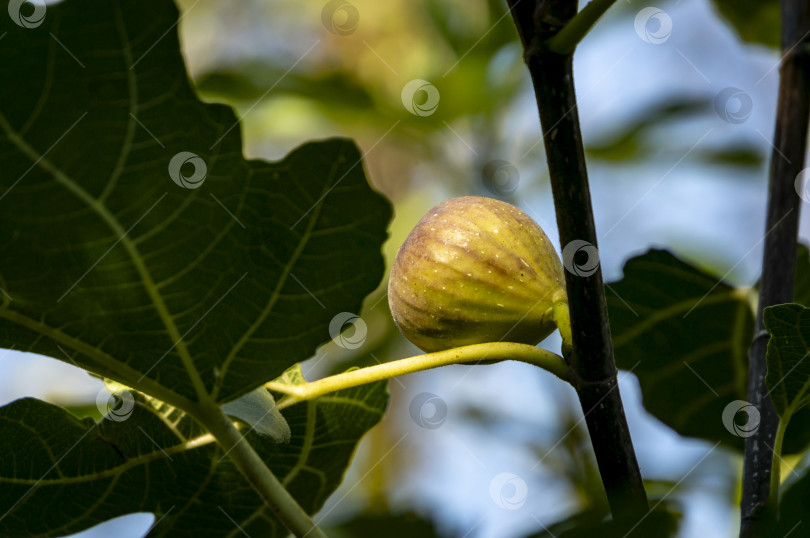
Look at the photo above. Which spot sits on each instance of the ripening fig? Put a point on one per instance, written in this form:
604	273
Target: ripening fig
475	270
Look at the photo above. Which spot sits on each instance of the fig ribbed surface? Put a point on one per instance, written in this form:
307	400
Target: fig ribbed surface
474	270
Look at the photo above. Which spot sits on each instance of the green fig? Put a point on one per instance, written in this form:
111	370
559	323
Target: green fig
475	270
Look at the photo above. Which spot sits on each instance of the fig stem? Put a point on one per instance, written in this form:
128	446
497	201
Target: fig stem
493	351
562	319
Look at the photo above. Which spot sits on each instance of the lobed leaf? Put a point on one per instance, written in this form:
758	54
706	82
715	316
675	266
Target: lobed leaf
159	460
109	263
685	334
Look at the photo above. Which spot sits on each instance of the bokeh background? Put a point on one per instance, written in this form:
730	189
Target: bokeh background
677	116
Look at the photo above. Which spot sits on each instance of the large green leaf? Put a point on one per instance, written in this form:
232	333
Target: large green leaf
59	474
183	293
686	334
788	357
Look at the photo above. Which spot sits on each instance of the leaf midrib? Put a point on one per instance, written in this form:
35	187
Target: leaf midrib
305	237
662	315
98	206
115	472
130	376
306	448
132	85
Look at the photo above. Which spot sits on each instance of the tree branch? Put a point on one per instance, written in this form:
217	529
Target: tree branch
779	256
591	361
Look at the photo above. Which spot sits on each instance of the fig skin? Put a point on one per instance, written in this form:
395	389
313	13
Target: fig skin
475	270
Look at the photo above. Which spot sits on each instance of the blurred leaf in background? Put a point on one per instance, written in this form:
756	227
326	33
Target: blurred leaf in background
300	70
343	71
755	21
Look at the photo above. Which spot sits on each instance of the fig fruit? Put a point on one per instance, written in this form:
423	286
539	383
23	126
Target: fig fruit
475	270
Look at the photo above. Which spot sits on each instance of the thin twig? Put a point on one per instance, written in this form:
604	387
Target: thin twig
577	28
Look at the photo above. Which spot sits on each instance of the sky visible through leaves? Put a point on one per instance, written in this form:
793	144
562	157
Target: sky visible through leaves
669	189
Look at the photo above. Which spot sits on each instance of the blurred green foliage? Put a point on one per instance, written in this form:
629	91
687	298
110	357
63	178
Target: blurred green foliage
755	21
350	85
470	52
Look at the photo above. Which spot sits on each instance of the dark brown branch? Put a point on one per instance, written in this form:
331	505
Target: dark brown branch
592	364
779	257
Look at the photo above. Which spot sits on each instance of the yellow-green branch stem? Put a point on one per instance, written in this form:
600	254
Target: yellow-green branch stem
562	318
242	454
776	465
495	351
